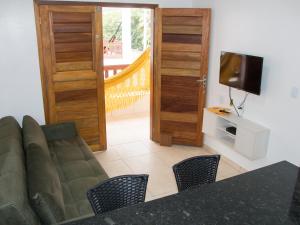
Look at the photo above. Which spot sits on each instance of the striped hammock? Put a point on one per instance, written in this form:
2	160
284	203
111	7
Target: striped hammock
130	85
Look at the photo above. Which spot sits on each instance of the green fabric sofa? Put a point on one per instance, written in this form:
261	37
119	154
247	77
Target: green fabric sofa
14	204
60	168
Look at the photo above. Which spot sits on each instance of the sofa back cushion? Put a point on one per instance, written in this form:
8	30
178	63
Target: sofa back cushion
14	205
33	134
60	131
44	185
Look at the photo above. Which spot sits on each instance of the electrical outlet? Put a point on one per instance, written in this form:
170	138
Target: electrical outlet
295	92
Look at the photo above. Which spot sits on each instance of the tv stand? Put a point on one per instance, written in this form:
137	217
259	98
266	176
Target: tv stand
241	135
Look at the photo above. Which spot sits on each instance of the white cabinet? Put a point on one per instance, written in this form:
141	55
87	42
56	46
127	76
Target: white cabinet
250	139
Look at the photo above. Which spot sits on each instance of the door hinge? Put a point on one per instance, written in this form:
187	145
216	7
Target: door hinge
202	81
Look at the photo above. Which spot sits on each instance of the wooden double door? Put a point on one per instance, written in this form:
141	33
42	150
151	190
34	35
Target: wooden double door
71	61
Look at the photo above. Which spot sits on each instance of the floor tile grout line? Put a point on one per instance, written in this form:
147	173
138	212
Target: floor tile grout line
135	172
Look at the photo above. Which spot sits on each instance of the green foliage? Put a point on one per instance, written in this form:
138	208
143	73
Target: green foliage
111	21
137	28
113	18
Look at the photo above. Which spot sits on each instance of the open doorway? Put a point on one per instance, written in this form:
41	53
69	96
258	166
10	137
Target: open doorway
69	40
127	41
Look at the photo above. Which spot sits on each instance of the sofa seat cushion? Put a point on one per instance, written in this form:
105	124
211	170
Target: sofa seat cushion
79	171
81	207
69	150
75	197
83	168
14	205
45	190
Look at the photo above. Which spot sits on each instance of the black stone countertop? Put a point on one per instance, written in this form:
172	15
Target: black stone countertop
267	196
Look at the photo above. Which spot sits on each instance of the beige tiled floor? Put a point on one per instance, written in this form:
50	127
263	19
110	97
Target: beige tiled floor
131	152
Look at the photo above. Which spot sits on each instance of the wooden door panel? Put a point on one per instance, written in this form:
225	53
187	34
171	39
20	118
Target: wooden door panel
181	132
71	17
180	64
188	95
182	38
63	116
89	130
178	94
179	117
182	20
74	66
180	47
186	13
177	81
182	107
73	47
72	28
75	75
180	72
76	95
73	56
71	38
173	55
181	29
75	85
72	51
182	53
76	110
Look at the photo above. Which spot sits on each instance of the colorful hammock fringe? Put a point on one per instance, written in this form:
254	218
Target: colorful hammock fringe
128	86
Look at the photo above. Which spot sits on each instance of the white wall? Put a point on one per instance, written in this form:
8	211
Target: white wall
20	86
202	3
270	29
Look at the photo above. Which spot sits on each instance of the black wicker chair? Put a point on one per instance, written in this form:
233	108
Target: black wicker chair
118	192
195	171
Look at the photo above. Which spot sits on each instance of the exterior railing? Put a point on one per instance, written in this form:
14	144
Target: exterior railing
112	70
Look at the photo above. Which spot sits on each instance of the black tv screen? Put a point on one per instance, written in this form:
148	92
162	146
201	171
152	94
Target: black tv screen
243	72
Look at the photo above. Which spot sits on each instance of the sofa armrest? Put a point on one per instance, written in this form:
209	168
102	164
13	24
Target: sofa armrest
60	131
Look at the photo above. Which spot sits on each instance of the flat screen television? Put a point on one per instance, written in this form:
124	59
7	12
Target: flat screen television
243	72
